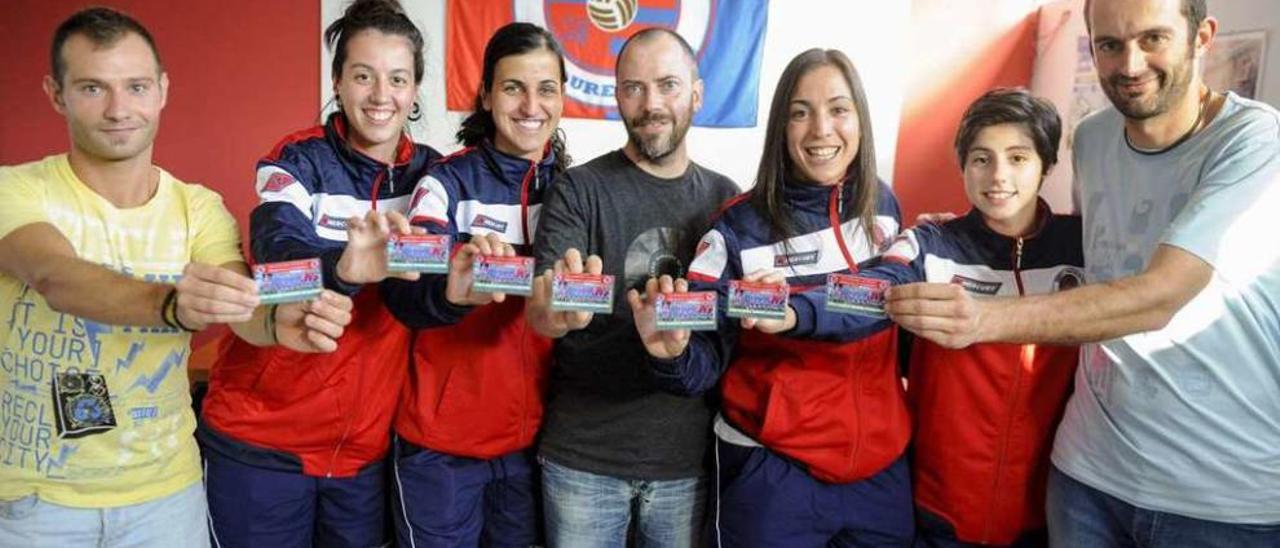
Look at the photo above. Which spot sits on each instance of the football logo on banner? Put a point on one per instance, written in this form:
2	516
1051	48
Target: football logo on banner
727	38
611	16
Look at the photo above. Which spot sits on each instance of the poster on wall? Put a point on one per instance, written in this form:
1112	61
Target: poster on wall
1086	95
1235	63
727	38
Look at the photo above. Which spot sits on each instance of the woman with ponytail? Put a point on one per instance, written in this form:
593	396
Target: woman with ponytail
294	443
463	467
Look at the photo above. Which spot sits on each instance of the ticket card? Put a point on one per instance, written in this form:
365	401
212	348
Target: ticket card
853	294
694	311
757	300
288	281
510	275
418	253
586	292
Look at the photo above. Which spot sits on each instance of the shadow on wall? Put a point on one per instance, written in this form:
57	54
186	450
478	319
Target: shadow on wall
926	172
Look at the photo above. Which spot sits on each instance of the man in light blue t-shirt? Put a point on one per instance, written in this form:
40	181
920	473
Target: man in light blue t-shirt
1172	437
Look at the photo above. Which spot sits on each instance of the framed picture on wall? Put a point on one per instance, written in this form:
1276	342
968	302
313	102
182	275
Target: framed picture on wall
1235	63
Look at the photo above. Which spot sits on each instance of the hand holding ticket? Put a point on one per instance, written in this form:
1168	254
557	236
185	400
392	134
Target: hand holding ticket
427	253
543	316
692	311
484	270
666	313
585	292
288	281
852	294
510	275
758	300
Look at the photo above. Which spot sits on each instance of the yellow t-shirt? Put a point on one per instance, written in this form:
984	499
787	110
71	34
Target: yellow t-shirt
151	453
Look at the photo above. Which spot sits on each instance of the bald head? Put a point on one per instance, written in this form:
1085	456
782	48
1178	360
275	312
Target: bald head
659	38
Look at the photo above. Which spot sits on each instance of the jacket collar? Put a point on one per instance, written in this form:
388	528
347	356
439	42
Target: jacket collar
813	198
512	169
975	220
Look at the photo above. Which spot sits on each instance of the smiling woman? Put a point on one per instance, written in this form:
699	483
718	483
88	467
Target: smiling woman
315	442
455	447
794	421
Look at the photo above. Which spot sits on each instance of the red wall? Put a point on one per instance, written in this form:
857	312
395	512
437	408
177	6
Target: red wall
243	74
926	172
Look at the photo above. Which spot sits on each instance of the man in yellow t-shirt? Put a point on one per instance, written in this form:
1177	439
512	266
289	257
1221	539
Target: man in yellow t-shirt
107	264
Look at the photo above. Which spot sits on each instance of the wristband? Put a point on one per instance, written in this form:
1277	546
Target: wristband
169	299
173	306
269	323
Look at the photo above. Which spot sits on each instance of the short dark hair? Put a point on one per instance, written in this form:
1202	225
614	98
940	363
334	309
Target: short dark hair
1013	106
512	39
385	16
102	26
1195	11
654	32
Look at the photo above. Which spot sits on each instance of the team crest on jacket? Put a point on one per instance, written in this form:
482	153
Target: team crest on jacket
976	286
592	32
277	182
489	223
1070	278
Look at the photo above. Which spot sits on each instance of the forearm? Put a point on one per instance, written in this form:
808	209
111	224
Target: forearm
41	257
693	372
1090	313
278	232
260	329
74	286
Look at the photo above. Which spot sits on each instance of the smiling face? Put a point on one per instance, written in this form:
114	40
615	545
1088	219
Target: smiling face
1144	58
525	101
1002	175
657	96
111	96
823	129
377	90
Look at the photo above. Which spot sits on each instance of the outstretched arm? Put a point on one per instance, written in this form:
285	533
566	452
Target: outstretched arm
947	315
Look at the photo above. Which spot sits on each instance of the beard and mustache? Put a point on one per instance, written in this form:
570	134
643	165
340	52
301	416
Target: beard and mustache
658	146
1172	86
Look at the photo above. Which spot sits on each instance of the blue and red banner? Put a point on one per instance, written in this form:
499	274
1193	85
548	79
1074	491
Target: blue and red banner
727	36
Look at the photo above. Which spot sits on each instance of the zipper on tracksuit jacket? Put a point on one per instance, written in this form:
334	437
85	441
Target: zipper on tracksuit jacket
1025	359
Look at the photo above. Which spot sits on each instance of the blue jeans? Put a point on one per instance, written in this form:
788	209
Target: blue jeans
176	520
590	510
1084	517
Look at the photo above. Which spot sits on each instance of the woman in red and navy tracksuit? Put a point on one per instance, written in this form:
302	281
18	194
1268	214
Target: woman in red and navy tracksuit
294	443
813	426
464	471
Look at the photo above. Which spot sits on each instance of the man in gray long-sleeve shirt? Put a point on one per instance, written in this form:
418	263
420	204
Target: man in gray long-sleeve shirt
614	447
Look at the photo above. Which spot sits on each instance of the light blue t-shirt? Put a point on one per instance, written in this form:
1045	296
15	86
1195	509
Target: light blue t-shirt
1185	419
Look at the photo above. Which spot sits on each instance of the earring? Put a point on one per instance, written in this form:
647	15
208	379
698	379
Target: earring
416	113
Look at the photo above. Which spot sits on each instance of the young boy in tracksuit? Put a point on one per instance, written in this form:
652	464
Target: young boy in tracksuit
985	416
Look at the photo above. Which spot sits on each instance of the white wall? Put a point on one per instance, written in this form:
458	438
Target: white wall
1061	23
1248	15
871	32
